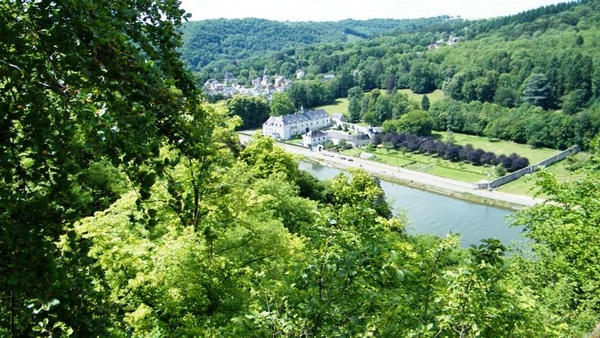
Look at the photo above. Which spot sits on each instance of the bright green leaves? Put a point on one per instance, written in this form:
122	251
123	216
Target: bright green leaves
564	229
360	189
264	158
83	85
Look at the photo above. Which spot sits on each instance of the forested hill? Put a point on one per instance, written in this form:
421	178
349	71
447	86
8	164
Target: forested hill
234	39
213	47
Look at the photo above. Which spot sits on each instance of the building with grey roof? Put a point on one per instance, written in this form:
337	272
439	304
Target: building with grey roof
287	126
314	138
354	140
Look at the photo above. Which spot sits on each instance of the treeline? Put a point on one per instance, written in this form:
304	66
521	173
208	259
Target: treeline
453	152
484	26
524	124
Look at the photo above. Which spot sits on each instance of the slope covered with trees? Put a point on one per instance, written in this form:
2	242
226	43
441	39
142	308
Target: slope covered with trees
221	41
128	208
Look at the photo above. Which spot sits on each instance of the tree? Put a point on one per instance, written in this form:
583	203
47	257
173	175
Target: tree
537	91
362	190
562	229
281	104
416	122
355	96
425	104
253	111
390	85
422	77
82	83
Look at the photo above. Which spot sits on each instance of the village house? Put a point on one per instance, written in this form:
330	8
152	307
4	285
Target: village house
339	119
360	140
314	138
287	126
260	86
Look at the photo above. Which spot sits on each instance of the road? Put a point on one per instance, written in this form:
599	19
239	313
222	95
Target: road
412	178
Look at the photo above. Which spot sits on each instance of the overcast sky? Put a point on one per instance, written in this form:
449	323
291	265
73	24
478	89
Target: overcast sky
334	10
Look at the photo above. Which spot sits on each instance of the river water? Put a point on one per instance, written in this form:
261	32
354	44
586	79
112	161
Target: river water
430	213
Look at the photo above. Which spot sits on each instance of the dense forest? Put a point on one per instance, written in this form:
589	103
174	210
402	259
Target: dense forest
129	208
221	41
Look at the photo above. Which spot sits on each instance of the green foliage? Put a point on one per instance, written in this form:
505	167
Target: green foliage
129	207
537	91
362	189
214	44
562	229
253	111
415	122
281	104
500	171
83	85
423	77
355	97
425	104
309	94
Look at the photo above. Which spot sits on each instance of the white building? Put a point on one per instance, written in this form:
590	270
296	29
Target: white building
339	119
285	127
354	140
314	138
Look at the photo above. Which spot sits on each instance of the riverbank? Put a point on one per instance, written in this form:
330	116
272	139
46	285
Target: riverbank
419	180
465	196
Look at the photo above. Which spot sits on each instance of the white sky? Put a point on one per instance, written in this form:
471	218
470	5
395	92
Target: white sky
334	10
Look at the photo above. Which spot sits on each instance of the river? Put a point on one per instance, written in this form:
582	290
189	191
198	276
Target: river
430	213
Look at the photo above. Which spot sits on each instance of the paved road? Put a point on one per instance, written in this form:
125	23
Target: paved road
415	178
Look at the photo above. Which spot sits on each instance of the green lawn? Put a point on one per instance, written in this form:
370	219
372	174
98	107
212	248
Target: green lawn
340	106
469	173
562	170
434	96
498	147
429	164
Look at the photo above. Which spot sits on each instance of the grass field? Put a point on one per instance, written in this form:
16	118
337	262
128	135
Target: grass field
434	96
428	164
498	147
340	106
526	184
469	173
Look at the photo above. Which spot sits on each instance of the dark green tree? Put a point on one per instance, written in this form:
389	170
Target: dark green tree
537	91
253	111
425	104
355	97
422	77
417	122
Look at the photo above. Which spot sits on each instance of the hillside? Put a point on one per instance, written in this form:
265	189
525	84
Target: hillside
208	41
